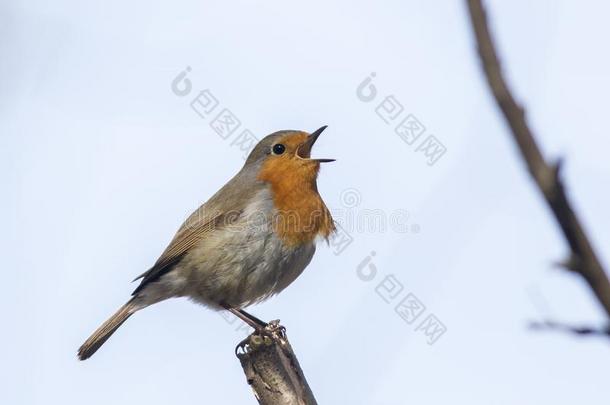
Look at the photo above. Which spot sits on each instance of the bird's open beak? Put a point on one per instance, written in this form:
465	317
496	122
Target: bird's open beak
304	150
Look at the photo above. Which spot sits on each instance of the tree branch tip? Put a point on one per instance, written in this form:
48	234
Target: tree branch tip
576	330
572	263
556	169
558	165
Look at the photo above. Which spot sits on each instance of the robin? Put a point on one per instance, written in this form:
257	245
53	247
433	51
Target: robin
248	242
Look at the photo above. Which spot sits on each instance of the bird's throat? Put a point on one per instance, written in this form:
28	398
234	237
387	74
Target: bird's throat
300	214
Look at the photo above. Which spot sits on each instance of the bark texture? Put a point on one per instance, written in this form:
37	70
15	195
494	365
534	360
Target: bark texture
272	368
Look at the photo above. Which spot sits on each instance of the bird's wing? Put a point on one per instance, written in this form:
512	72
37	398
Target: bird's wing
194	229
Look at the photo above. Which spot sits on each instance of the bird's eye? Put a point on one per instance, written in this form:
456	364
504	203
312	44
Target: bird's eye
278	149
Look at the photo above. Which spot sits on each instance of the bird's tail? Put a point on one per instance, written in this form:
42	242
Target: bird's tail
101	335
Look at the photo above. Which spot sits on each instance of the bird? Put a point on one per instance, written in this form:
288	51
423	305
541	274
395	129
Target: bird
248	242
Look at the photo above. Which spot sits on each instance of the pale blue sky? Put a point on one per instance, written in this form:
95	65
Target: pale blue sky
100	163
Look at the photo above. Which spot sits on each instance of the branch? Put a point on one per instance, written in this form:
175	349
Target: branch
576	330
272	368
583	259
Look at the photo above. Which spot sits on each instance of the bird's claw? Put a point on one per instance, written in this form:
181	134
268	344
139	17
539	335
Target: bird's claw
242	346
262	336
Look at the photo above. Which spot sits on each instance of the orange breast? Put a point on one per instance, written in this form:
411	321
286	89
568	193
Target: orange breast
301	214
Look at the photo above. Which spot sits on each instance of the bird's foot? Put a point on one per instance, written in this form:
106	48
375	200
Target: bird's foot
262	335
273	328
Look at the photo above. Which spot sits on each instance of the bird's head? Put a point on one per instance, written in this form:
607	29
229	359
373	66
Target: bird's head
284	158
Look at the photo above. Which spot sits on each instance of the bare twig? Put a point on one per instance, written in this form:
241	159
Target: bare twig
576	330
582	259
272	369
